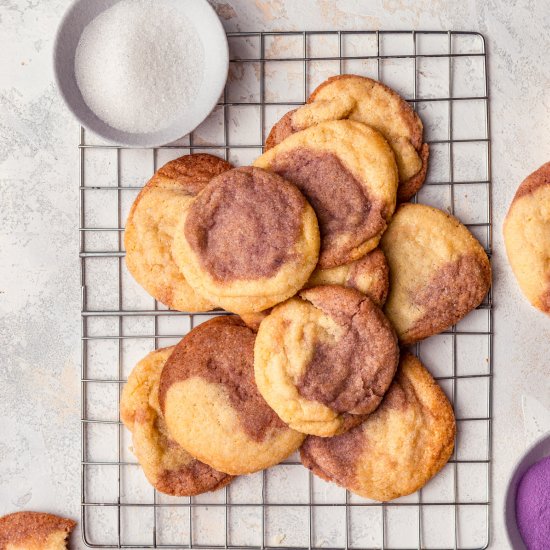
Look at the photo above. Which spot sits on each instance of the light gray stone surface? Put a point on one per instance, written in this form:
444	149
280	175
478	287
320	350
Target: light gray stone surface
39	280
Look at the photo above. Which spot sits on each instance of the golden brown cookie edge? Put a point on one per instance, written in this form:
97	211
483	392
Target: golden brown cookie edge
20	526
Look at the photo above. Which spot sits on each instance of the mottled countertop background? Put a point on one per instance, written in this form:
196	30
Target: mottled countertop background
39	269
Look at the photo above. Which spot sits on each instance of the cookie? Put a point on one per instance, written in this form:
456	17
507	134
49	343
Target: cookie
248	241
527	237
324	360
438	271
370	275
347	172
399	448
166	465
212	406
151	224
253	320
34	531
370	102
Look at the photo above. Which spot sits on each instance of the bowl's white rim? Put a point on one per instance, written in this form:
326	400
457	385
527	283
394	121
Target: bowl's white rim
218	87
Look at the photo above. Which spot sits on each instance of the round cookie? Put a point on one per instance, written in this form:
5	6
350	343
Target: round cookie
166	465
399	448
370	275
347	172
212	406
324	360
34	531
151	224
438	271
527	237
248	241
372	103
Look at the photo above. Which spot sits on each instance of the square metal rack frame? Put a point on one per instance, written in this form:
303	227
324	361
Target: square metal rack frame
444	77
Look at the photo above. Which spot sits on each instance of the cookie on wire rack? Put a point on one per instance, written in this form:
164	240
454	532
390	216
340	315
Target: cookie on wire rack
399	448
347	172
439	271
151	225
370	275
248	241
166	465
371	102
212	406
323	360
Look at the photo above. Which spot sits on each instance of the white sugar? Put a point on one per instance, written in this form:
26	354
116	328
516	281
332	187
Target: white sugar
139	64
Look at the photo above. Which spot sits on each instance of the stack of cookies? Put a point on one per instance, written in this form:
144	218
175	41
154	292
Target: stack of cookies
328	272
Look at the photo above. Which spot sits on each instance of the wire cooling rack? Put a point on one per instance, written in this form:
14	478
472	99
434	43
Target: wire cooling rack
444	76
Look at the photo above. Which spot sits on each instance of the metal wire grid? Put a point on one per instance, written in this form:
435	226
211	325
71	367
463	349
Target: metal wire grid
378	532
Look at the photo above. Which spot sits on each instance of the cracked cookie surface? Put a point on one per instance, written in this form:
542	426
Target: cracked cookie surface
400	446
324	360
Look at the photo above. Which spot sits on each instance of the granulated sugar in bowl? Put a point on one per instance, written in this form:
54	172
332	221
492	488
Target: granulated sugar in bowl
138	63
141	72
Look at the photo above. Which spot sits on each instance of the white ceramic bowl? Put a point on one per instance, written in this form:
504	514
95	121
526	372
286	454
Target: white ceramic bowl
216	62
536	452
